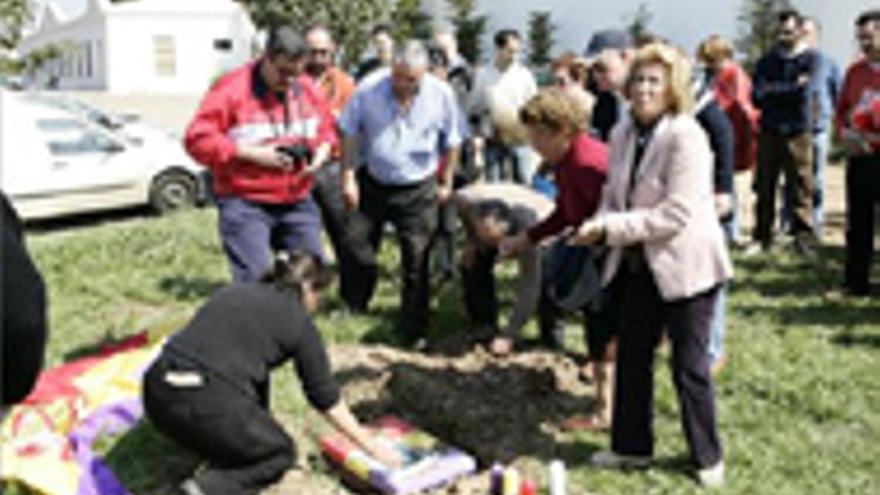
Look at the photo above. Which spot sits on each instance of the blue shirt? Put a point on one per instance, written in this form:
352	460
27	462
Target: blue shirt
403	148
826	88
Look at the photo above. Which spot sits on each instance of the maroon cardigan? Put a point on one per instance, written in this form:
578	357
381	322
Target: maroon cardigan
579	178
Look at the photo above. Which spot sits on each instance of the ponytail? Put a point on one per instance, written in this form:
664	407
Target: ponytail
291	271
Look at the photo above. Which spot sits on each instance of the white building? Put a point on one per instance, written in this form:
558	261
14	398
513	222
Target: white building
148	46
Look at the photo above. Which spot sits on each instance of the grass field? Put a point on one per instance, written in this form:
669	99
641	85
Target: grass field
799	400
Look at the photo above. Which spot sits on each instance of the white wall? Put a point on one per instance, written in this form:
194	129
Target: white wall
83	64
132	52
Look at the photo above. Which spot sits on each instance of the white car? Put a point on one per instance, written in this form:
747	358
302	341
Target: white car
59	160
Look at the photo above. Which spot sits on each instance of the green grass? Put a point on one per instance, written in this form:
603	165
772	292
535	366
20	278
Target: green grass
799	401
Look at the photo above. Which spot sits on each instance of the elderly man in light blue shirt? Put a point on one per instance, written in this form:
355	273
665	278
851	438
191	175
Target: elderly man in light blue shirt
399	126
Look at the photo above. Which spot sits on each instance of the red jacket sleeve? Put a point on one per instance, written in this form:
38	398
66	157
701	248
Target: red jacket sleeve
845	103
206	139
548	227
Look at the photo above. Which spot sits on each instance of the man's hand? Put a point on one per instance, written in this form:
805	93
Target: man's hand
444	193
265	156
854	143
350	192
590	232
723	204
510	246
501	346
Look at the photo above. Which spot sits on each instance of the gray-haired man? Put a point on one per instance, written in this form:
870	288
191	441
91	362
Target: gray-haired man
401	124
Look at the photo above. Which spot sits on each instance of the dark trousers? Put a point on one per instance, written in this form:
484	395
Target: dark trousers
412	210
792	156
443	244
250	232
337	221
687	323
246	450
862	193
478	284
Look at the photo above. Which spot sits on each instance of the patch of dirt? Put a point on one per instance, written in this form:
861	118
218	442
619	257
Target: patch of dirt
499	410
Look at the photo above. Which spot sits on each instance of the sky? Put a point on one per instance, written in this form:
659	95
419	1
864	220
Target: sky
685	22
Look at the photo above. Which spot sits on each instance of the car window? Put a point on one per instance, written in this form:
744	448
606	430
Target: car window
70	137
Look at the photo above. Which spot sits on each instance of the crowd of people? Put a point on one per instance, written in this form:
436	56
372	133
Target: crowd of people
612	188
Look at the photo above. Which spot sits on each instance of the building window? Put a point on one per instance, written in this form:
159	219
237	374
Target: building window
165	57
90	67
223	45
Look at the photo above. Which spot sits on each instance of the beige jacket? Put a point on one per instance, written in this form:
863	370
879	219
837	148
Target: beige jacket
671	212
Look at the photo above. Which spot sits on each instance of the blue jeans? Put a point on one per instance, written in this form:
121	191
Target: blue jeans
730	225
250	232
718	330
518	156
821	143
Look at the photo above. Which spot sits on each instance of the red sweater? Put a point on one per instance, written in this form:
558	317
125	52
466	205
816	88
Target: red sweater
859	104
241	109
733	90
579	178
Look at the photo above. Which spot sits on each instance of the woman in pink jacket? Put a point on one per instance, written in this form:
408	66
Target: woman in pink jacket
667	250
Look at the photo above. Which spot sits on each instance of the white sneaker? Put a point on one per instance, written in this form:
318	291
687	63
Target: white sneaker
712	477
613	460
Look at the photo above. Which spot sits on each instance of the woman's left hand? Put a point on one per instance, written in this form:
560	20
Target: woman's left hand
590	232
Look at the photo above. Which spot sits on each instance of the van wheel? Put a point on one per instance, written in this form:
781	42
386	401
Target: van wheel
172	191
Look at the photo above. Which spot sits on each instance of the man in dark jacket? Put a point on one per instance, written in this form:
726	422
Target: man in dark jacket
781	91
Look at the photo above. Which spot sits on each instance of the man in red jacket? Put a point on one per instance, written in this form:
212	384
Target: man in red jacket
858	127
263	129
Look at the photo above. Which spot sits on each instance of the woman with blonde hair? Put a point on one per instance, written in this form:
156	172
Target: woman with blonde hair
667	255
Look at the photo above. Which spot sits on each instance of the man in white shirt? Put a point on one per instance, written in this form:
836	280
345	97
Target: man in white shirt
500	89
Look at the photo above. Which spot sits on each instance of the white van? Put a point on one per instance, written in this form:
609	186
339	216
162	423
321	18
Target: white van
56	161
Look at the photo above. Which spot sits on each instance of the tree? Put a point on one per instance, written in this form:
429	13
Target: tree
638	21
350	20
409	21
757	28
541	40
13	16
469	29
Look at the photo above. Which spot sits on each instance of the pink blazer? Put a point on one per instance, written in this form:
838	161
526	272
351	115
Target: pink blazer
672	208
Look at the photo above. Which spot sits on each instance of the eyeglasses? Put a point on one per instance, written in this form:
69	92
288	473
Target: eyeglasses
319	51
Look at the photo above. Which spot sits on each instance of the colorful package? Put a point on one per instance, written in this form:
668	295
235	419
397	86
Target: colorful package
429	463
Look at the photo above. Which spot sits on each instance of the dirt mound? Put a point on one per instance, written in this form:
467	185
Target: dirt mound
499	410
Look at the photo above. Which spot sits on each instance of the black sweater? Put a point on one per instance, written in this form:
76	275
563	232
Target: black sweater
246	330
781	90
714	121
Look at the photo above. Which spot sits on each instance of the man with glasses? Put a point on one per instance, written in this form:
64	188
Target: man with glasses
781	90
400	125
263	129
337	87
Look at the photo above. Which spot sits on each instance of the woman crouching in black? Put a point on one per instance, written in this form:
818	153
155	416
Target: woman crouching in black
208	389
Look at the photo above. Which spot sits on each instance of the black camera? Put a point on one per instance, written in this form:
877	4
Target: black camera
299	153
